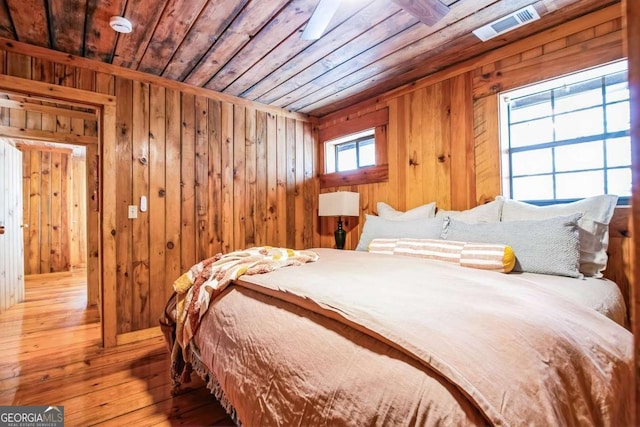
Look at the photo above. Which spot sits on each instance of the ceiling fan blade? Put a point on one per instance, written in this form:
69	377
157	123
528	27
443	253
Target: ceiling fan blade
320	19
427	11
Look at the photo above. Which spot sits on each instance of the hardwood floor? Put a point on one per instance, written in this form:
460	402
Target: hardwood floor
50	354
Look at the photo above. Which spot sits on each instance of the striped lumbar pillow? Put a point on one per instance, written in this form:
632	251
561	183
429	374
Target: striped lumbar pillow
382	246
486	256
441	250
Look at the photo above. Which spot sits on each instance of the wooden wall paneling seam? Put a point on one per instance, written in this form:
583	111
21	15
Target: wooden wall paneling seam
12	46
140	188
261	207
92	211
443	147
309	212
202	189
158	288
187	180
26	187
298	187
33	264
239	171
272	180
281	177
173	203
290	137
462	145
45	212
124	171
56	213
227	213
214	213
250	181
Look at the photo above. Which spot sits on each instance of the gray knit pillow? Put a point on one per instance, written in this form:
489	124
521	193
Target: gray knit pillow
548	246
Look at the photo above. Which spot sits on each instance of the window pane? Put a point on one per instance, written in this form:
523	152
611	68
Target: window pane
619	182
532	162
367	153
619	152
347	157
579	184
530	107
533	188
582	95
579	156
617	87
579	123
618	117
531	133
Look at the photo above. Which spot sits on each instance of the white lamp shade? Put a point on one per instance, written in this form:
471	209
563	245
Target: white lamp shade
340	203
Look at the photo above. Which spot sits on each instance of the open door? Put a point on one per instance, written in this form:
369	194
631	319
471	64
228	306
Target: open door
11	242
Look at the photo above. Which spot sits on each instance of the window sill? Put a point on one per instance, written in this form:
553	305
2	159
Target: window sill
368	175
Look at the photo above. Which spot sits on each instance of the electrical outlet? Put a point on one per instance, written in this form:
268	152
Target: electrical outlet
133	212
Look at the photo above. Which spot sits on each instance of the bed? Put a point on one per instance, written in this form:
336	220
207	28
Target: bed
359	338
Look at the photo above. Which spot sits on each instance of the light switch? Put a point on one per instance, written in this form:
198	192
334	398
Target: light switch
133	212
143	203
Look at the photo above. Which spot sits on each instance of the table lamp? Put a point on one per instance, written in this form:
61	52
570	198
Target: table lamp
340	203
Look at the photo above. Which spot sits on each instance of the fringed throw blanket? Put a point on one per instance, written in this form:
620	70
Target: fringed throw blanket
196	288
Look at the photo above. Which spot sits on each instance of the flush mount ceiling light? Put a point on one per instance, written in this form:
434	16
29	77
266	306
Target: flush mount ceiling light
120	24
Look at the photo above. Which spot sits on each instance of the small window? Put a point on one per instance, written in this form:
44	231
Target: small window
351	152
568	138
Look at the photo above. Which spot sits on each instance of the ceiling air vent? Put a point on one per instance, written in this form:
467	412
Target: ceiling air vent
507	23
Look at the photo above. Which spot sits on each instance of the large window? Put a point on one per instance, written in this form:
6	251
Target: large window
568	138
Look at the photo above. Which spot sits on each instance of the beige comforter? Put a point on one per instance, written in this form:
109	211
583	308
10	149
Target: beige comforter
400	341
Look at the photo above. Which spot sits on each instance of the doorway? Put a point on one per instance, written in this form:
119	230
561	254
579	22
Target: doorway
46	112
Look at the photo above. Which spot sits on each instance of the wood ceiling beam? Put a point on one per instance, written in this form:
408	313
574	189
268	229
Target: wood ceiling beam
17	105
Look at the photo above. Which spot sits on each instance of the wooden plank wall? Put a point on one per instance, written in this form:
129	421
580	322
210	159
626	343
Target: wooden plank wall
443	141
11	257
219	175
78	212
47	191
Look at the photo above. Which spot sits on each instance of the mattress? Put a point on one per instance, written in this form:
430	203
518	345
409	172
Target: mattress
288	347
602	295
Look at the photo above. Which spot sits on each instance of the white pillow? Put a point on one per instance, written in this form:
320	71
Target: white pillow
425	211
489	212
593	227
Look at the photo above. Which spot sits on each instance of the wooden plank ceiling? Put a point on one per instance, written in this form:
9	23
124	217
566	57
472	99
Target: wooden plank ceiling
253	48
